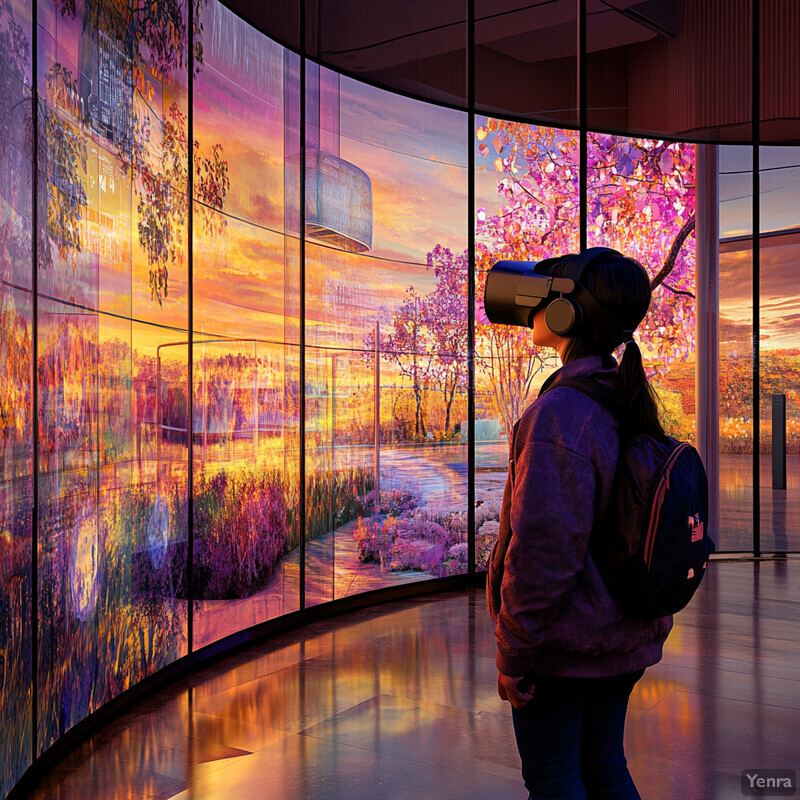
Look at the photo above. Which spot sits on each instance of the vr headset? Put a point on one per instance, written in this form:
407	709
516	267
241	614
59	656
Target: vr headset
516	290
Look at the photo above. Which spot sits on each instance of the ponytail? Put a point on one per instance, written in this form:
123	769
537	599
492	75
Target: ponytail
622	287
635	398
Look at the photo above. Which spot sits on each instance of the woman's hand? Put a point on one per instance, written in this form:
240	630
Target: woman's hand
508	688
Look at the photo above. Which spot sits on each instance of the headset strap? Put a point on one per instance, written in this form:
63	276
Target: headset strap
602	318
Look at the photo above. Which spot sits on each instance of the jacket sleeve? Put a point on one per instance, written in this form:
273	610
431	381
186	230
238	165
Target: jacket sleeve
552	508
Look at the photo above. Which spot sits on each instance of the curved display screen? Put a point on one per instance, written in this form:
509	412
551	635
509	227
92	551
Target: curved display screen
235	356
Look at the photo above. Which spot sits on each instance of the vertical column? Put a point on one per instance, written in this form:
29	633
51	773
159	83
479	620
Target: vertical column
293	355
471	287
707	321
193	26
779	500
35	240
377	407
582	116
756	116
302	307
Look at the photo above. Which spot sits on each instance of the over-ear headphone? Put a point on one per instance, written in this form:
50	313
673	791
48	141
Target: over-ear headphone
566	313
516	290
563	316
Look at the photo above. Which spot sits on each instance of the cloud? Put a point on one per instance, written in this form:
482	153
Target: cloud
374	116
733	331
264	207
260	251
416	203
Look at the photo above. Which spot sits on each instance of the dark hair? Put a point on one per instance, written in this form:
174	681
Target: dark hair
622	286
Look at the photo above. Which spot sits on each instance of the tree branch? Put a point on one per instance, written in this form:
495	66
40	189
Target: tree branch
669	264
677	291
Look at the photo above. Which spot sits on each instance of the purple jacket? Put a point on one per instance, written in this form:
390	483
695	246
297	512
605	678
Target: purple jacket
552	611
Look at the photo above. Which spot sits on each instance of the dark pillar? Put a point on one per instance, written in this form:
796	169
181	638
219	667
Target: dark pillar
779	441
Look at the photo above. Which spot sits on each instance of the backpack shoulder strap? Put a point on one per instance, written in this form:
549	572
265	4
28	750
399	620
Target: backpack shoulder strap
601	393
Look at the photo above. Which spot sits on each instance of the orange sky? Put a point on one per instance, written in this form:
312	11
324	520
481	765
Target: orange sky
415	155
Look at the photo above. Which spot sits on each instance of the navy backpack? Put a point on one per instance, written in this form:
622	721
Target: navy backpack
653	544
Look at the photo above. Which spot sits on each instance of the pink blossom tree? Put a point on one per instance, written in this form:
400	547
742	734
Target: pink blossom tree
445	314
409	347
538	217
641	202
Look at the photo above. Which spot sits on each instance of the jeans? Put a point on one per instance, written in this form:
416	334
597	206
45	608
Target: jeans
570	738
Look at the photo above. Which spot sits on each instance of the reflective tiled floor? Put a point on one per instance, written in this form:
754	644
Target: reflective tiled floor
399	702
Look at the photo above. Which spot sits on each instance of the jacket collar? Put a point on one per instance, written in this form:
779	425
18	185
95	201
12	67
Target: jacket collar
601	368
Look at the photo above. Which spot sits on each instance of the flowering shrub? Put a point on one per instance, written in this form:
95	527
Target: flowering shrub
455	523
486	510
484	541
393	503
369	538
415	539
487	527
459	551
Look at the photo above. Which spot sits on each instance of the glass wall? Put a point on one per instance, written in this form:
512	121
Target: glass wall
245	281
736	348
16	406
387	339
201	436
779	355
527	208
113	310
640	201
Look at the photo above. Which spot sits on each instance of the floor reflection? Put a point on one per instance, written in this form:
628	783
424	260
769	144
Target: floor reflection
399	702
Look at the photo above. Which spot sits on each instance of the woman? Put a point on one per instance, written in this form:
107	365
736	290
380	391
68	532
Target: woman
567	656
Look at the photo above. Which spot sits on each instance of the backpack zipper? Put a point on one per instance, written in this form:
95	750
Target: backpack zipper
661	490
